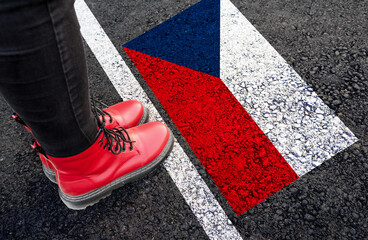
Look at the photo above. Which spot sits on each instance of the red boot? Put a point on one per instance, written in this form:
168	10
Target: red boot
117	157
125	114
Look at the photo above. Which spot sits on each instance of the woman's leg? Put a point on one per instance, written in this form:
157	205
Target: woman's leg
43	73
43	77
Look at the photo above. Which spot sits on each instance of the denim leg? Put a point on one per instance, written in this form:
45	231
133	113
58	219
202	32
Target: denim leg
43	73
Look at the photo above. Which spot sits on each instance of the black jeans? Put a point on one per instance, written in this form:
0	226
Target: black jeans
43	73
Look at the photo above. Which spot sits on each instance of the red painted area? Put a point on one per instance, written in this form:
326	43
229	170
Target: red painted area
241	160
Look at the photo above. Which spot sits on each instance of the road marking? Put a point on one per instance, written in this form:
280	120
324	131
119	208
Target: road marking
304	130
232	139
194	190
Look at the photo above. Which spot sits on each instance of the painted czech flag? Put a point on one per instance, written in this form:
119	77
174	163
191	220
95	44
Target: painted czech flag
248	116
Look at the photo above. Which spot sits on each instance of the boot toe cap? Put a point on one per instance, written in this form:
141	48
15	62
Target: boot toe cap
151	138
127	113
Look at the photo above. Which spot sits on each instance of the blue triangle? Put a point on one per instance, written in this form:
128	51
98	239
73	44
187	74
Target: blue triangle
190	39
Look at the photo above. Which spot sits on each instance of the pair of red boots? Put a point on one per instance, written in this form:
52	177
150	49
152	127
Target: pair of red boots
124	151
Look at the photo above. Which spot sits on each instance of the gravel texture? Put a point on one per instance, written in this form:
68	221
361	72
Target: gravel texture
326	44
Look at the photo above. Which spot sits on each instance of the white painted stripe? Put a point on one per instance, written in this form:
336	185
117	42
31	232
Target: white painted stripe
302	128
194	190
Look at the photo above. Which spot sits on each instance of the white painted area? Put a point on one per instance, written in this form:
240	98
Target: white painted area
302	128
194	190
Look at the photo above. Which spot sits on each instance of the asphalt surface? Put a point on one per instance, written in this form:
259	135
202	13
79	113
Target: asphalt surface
324	41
